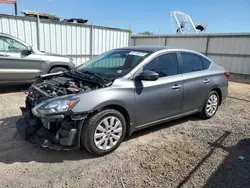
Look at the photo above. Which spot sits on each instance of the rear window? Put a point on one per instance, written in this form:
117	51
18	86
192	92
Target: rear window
190	63
206	63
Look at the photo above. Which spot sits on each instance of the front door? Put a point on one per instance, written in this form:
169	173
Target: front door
15	65
160	99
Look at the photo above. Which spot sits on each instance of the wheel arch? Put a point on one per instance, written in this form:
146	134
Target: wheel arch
219	93
125	114
58	65
120	108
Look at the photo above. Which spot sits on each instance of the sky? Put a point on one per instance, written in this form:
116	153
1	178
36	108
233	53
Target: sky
221	16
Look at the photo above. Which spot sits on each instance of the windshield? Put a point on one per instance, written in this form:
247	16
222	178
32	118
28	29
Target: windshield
115	63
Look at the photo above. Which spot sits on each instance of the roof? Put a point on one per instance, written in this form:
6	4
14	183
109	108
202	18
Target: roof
158	48
146	48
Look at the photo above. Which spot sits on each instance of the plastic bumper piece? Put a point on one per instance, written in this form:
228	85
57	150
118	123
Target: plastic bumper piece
40	136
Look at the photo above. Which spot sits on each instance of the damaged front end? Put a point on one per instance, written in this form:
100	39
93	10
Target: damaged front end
48	120
56	134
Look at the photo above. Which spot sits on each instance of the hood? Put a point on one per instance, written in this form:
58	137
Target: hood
49	54
54	57
53	54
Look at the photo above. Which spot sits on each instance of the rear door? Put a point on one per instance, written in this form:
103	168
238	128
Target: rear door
15	65
160	99
196	79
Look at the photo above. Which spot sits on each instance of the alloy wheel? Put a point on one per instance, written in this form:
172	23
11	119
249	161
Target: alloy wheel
212	105
108	132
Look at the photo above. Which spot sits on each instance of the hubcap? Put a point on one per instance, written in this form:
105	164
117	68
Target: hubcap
108	132
212	105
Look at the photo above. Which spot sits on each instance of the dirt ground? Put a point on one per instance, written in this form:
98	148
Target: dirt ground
189	152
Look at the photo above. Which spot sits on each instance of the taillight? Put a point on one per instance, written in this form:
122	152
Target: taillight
226	74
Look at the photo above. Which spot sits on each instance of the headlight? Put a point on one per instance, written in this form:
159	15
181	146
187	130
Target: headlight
54	107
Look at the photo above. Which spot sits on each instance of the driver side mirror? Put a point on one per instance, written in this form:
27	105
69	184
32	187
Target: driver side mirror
148	75
28	51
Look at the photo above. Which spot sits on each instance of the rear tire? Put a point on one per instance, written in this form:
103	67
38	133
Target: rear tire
58	69
103	132
210	106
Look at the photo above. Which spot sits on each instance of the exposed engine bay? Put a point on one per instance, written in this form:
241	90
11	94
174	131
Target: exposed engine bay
64	85
56	131
58	85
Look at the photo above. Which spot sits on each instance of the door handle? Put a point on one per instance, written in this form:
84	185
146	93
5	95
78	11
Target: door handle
176	87
206	81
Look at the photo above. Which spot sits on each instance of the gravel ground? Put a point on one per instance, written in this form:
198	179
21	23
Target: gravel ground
189	152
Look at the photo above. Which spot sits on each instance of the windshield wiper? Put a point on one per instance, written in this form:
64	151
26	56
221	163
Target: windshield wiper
103	79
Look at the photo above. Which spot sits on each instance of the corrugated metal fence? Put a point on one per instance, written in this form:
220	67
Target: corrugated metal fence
231	51
80	41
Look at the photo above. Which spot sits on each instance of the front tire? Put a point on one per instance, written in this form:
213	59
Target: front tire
103	132
210	106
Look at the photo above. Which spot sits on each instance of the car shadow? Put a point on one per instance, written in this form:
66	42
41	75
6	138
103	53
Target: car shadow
14	148
232	172
13	87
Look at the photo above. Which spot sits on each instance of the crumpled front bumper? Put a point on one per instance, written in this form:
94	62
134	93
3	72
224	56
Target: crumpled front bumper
33	130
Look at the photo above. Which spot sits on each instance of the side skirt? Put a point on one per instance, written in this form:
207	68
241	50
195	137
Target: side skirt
165	120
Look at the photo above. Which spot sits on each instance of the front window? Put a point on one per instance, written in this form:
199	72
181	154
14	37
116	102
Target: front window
164	65
114	64
11	45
